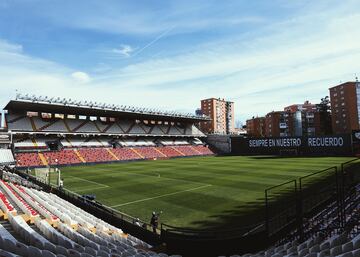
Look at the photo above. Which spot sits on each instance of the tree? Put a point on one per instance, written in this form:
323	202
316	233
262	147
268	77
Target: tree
239	124
324	110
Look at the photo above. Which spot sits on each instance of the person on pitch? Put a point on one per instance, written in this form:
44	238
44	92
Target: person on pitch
154	222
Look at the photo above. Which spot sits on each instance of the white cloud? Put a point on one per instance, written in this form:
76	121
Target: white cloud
81	77
286	63
6	47
123	50
120	17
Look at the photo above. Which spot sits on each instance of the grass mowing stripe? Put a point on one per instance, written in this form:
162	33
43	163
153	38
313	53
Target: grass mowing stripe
87	189
160	196
89	181
157	175
238	184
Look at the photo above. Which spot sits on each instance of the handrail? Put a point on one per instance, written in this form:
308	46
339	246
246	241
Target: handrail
318	172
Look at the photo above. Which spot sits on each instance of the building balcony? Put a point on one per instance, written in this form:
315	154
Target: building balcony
283	125
311	130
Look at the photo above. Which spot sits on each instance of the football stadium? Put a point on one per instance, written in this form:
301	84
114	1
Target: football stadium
81	178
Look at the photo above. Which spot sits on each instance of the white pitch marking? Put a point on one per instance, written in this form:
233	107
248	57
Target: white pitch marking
89	181
89	189
154	176
160	196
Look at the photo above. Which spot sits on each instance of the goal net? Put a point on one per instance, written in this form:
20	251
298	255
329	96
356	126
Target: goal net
43	175
47	175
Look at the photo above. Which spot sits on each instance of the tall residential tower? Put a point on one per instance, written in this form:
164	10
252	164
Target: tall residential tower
345	107
222	114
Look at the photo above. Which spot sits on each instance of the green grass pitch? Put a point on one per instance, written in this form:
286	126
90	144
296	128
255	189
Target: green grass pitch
199	192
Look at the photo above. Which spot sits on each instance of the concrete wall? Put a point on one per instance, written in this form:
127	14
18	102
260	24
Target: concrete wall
220	142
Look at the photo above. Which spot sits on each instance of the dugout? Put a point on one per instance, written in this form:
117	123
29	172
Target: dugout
330	145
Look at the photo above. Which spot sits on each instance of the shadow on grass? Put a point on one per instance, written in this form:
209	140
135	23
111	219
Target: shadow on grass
240	217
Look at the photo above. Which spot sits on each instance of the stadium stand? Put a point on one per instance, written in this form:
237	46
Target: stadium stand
28	160
126	154
171	152
36	223
52	137
203	150
188	150
70	155
62	157
38	124
324	233
149	152
6	156
95	154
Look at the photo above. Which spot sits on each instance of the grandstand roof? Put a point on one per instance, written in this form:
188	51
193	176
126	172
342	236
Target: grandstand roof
98	110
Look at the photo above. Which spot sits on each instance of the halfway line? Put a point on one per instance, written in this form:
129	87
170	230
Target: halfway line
155	197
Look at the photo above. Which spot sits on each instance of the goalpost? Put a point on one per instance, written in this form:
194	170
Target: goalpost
48	175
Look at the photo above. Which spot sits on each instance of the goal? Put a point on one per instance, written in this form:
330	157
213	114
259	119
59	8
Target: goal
47	175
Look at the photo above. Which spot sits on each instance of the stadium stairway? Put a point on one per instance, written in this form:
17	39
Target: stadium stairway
112	154
79	156
137	153
43	159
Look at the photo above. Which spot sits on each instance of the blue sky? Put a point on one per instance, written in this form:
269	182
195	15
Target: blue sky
263	55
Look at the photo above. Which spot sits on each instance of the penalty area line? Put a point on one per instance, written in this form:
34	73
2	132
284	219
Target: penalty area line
89	181
160	196
88	189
